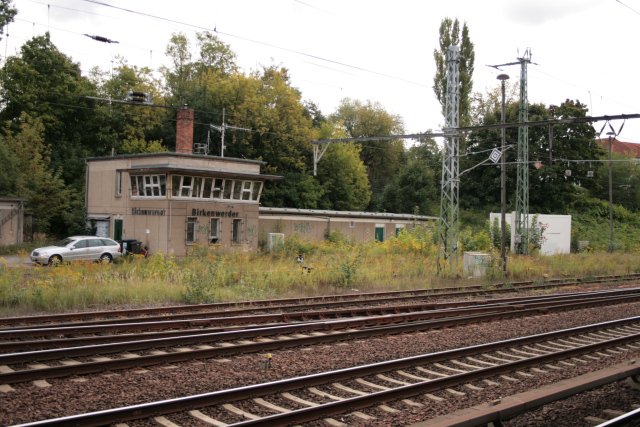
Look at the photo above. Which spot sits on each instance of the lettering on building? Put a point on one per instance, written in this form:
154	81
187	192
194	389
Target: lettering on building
220	214
152	212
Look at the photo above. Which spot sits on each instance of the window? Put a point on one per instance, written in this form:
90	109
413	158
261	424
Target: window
191	230
118	183
218	188
206	192
148	185
197	187
246	190
228	187
237	189
214	231
81	244
185	186
205	188
257	186
236	231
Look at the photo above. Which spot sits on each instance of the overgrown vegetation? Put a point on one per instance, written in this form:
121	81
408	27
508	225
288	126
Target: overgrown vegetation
333	266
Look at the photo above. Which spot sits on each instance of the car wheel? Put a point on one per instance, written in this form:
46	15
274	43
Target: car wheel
106	258
55	260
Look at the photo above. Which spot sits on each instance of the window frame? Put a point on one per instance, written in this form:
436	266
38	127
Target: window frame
191	221
214	230
145	185
236	231
118	184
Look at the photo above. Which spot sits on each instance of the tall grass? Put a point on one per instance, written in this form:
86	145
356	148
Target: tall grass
335	266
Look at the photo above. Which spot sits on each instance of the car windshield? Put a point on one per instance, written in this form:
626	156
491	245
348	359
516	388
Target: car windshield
64	242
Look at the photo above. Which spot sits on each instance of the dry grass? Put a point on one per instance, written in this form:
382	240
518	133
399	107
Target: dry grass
331	267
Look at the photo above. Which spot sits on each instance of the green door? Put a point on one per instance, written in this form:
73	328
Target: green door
379	233
117	229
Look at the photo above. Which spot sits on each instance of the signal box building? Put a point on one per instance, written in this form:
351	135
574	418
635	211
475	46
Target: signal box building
173	201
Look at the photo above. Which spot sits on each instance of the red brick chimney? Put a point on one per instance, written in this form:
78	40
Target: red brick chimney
184	131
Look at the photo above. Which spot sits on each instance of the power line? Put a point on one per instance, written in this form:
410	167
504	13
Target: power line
629	7
285	49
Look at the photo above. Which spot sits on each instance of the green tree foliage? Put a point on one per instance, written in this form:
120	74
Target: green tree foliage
382	158
344	178
26	174
564	165
449	34
415	188
47	85
551	187
129	128
7	13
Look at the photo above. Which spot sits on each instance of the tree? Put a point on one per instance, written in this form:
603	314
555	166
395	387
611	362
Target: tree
551	187
47	85
450	35
7	13
344	178
27	174
382	158
129	128
416	187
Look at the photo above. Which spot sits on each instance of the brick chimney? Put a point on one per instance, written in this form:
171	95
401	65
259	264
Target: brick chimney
184	131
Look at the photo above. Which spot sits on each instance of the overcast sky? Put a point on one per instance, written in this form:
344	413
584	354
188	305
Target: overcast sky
371	49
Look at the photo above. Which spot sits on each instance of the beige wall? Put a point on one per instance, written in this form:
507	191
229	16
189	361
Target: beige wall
313	228
166	232
11	222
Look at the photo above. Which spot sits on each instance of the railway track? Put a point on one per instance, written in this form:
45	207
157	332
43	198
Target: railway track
142	351
281	306
367	394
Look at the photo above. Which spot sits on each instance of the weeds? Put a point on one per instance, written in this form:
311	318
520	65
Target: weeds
405	262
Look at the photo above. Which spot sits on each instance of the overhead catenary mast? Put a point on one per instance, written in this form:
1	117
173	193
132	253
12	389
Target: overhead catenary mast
521	220
221	129
448	225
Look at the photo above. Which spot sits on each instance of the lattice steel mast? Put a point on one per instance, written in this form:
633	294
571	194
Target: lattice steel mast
522	182
448	226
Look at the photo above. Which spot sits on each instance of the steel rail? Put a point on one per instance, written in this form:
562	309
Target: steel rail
119	343
279	319
150	360
350	404
315	302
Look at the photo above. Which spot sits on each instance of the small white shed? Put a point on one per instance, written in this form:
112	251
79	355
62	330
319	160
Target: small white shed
556	234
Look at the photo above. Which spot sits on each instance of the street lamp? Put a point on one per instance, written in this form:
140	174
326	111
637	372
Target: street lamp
610	248
503	183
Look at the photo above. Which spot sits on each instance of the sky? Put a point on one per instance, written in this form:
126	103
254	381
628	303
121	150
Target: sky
370	50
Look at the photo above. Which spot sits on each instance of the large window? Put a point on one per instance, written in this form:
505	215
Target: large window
148	185
215	188
236	232
191	229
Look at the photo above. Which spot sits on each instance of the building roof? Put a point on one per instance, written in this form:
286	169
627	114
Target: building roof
629	149
353	214
168	167
173	154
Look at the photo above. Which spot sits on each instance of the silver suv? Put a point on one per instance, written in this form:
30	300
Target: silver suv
75	248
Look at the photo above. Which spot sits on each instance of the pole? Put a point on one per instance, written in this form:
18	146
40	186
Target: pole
222	135
610	248
503	182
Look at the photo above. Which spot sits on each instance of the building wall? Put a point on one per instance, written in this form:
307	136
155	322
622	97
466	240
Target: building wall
556	236
161	222
11	221
314	228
